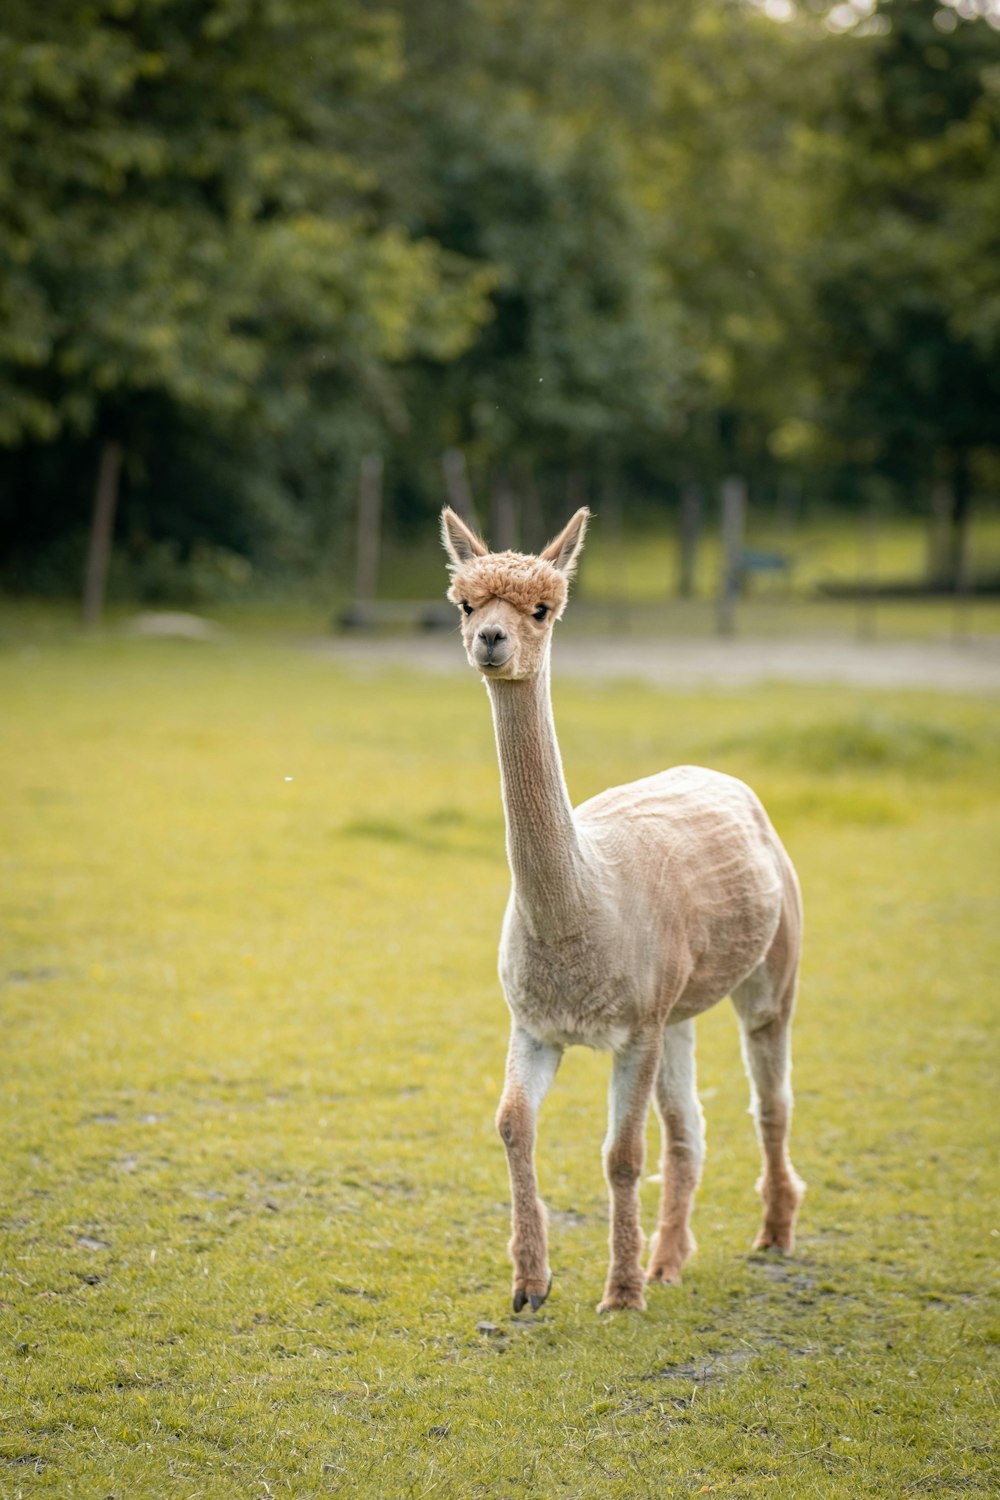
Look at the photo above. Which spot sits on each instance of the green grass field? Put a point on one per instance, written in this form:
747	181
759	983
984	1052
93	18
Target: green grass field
253	1211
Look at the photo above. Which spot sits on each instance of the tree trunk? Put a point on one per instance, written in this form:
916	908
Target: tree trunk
532	515
503	536
951	510
369	528
937	534
456	480
102	528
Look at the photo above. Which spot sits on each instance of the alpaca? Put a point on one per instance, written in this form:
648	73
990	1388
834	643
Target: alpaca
628	916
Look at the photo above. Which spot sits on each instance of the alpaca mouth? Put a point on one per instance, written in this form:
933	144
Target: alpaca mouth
492	665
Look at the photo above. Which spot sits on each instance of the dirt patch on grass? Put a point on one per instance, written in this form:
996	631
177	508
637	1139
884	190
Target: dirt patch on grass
701	1371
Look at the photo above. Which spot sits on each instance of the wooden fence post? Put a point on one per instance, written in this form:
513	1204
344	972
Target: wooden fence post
690	529
964	584
577	495
101	532
867	572
613	508
369	526
734	504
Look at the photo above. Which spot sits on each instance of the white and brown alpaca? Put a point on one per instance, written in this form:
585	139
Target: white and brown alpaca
628	916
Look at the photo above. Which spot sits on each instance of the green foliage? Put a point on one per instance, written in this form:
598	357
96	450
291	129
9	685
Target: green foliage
182	211
604	252
253	1227
188	228
909	157
526	167
721	172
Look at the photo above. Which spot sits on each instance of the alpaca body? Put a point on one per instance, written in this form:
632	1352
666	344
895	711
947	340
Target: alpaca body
685	882
627	918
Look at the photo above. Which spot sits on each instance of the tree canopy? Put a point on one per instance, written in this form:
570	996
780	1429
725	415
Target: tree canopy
247	240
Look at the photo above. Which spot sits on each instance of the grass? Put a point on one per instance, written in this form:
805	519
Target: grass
253	1208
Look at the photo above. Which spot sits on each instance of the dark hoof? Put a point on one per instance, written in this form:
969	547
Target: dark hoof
535	1298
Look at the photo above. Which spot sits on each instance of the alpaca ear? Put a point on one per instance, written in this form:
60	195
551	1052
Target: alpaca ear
564	550
460	543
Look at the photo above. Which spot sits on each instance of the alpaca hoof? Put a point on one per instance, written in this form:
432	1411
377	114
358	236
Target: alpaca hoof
522	1296
669	1252
664	1275
782	1241
618	1298
781	1204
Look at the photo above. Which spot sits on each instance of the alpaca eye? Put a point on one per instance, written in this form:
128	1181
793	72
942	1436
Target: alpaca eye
540	612
467	607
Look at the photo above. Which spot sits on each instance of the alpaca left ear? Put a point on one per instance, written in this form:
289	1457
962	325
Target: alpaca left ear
460	541
564	550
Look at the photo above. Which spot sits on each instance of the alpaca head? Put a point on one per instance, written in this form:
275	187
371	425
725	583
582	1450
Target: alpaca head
509	600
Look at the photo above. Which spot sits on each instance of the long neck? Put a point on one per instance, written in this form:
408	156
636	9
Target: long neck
542	843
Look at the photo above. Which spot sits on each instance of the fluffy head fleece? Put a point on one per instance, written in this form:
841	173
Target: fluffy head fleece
526	582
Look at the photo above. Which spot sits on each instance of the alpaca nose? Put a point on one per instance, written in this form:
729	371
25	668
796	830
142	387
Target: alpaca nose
491	636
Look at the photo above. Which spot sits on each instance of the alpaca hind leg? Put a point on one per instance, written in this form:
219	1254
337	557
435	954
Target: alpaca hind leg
531	1067
683	1124
632	1079
764	1004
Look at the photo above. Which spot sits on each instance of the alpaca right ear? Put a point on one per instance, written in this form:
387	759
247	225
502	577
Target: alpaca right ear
564	550
459	541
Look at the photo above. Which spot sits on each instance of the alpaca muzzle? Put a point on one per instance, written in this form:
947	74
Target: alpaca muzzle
492	649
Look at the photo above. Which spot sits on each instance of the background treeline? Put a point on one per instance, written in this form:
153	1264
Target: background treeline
606	252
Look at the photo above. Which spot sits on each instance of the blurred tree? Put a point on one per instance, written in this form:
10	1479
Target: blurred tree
721	177
602	249
904	273
182	216
636	179
518	117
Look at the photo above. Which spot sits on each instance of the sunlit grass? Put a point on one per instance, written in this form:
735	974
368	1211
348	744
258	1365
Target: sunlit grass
253	1208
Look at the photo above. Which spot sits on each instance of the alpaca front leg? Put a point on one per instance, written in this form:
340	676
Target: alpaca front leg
683	1125
531	1067
632	1077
